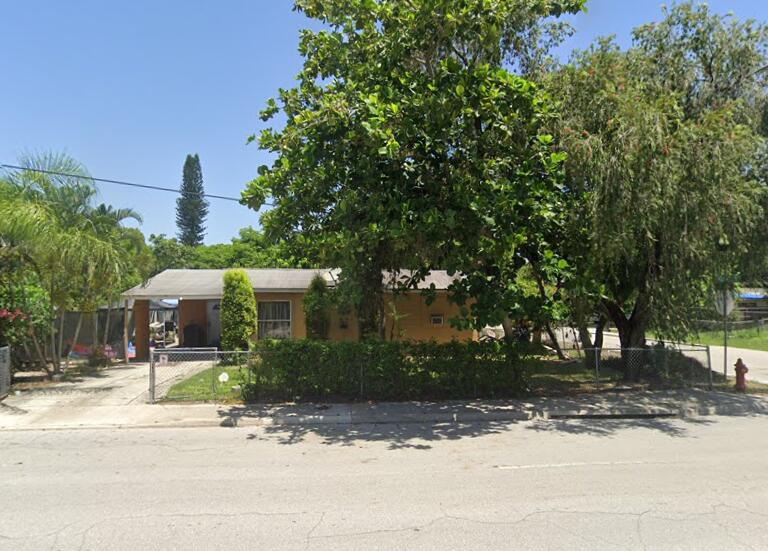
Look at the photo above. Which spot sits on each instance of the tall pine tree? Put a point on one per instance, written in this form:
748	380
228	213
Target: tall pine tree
191	207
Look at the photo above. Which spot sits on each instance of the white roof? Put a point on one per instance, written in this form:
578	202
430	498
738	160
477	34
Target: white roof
208	284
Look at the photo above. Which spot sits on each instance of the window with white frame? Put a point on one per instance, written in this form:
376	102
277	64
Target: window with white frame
274	319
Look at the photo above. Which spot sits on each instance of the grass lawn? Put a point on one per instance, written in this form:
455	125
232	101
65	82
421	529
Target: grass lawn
205	386
550	376
751	339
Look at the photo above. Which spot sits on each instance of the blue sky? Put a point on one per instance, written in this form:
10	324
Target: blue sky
129	88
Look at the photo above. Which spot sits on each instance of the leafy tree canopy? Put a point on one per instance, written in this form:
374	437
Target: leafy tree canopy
661	142
433	155
249	250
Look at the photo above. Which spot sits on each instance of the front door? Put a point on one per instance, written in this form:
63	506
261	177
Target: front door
214	322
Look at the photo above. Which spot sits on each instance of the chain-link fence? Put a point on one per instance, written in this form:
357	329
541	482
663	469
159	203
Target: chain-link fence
667	365
5	371
197	374
207	374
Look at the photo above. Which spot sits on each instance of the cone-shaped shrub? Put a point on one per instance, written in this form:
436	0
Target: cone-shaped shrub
238	311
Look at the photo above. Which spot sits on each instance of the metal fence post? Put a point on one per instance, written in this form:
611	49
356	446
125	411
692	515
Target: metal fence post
5	371
709	368
597	368
213	372
152	377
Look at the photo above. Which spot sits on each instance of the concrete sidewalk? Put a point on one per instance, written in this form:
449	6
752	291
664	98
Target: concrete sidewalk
687	403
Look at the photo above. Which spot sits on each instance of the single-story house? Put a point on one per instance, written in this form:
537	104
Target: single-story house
279	297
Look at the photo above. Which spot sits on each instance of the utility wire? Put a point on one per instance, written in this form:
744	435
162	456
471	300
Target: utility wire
121	183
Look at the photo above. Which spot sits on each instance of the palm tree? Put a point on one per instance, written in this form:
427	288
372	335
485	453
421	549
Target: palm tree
107	223
49	218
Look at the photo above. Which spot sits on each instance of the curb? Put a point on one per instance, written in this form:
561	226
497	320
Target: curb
346	418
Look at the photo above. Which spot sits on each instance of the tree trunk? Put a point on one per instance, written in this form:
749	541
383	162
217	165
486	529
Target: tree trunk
510	336
52	342
370	310
40	352
74	340
105	338
95	338
556	345
631	335
599	329
60	350
585	339
590	347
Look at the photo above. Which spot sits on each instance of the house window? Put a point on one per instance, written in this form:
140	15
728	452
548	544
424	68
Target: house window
436	319
274	319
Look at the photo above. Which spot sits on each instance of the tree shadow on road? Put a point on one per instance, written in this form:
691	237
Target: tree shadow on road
415	436
675	428
422	435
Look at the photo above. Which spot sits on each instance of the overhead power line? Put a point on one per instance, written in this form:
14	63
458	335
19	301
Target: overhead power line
121	183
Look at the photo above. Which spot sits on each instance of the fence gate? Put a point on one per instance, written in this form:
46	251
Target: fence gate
196	374
5	371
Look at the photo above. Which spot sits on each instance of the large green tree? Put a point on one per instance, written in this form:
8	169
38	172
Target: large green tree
661	141
408	143
191	207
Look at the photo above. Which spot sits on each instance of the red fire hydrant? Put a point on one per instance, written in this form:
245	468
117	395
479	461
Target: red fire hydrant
741	376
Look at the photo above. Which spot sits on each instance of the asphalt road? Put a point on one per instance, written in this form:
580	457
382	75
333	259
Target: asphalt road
618	484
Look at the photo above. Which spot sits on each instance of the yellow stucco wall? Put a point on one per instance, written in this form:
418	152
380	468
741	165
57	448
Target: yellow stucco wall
414	315
414	323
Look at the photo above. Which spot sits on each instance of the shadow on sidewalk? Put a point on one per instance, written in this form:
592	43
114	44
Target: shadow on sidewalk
420	435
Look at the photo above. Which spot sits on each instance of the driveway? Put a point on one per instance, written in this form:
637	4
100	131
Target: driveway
114	386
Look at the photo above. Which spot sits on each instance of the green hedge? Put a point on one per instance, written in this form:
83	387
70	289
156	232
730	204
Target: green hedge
330	370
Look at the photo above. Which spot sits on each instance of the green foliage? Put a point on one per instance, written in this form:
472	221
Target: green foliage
238	311
24	309
191	207
433	156
384	370
249	250
78	252
661	142
316	304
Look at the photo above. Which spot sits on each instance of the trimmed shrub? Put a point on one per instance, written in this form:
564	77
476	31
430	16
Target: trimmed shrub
316	303
383	370
238	311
